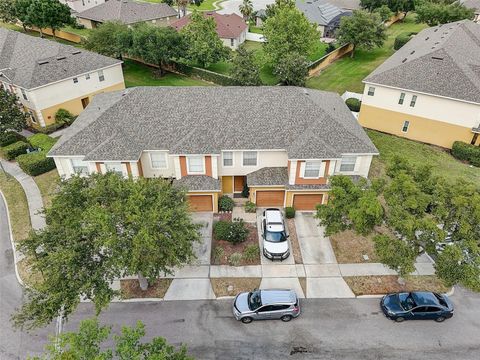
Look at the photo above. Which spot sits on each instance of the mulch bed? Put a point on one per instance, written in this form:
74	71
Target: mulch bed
292	230
130	289
222	217
229	248
221	285
379	285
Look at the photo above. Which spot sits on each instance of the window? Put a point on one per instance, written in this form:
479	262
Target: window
414	100
101	77
406	123
266	308
227	158
24	94
402	98
32	117
195	165
348	163
79	166
87	77
158	160
371	91
280	307
312	169
75	80
232	42
115	167
249	158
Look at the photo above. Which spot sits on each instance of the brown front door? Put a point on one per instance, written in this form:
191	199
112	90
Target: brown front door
306	201
239	182
200	202
270	198
85	102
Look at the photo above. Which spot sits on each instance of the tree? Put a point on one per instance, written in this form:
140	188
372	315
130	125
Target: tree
156	45
384	12
203	46
396	254
168	2
371	5
100	228
111	38
288	31
22	12
11	117
7	11
362	29
49	13
440	13
246	9
245	69
182	7
270	9
292	69
88	344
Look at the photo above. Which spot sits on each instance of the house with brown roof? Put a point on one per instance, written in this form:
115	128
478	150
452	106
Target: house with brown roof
231	28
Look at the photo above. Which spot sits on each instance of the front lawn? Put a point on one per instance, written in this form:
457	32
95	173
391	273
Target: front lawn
347	73
80	32
48	184
350	247
443	164
233	286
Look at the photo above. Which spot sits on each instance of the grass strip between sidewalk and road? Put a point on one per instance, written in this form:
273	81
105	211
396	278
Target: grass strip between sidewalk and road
237	285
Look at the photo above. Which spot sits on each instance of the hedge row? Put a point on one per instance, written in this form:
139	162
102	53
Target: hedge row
10	137
11	151
206	75
466	152
353	104
42	142
402	39
35	163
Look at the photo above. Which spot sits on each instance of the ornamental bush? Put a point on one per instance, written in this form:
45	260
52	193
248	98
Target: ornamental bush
10	137
11	151
63	116
402	39
466	152
250	207
251	253
35	163
225	203
235	259
289	212
234	232
42	142
353	104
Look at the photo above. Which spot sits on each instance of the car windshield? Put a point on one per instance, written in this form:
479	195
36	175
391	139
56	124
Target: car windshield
408	303
254	300
275	236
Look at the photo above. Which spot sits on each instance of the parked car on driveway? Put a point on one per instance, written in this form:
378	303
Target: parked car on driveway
420	305
266	304
275	238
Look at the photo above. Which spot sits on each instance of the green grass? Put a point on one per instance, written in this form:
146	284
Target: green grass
137	74
222	67
80	32
347	73
255	29
48	184
417	153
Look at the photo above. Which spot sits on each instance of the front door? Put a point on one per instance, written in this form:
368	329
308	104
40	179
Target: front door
239	183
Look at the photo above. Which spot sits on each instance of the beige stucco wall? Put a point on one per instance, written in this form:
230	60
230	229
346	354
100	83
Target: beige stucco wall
362	166
265	158
149	172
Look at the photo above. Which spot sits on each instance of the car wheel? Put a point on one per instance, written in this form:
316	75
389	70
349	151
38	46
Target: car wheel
247	320
286	318
440	319
399	319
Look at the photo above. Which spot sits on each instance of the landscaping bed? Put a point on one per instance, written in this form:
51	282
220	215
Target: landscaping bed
130	289
350	247
379	285
233	286
292	231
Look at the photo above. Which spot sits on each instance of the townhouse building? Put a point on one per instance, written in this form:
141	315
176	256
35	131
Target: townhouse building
283	143
47	75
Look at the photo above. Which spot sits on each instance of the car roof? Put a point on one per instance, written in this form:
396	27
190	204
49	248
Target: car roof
273	216
278	296
424	298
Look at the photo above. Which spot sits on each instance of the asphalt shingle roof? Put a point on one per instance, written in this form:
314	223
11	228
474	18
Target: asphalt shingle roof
30	62
442	60
205	120
127	11
228	26
268	176
320	12
198	183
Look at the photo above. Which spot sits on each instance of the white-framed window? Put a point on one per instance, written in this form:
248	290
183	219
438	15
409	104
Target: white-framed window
232	42
101	76
115	167
312	169
348	163
158	160
371	91
79	166
196	165
75	80
405	126
414	101
402	99
24	94
227	158
249	158
87	77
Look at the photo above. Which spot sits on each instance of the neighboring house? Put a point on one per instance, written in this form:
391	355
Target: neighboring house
47	75
128	12
231	28
260	16
429	90
324	14
80	5
282	142
472	4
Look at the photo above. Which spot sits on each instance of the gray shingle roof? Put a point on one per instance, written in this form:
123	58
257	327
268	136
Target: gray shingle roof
471	4
30	62
321	12
127	11
205	120
442	60
268	176
198	183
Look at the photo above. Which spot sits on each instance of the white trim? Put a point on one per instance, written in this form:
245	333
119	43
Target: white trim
203	172
165	158
258	150
304	168
256	162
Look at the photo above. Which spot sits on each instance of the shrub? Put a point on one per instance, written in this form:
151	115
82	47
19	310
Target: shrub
49	128
245	191
218	254
234	232
11	151
402	39
235	259
63	116
42	142
250	207
10	137
251	253
225	203
289	212
331	47
35	163
466	152
353	104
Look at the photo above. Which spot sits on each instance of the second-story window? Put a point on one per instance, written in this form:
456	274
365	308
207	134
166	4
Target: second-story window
75	80
348	163
79	166
24	94
228	158
312	169
158	160
195	165
402	98
371	91
414	101
249	158
101	76
87	77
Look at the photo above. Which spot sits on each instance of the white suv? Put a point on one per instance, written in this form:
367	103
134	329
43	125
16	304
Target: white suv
275	238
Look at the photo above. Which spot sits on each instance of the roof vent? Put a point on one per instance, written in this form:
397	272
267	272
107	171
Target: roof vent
404	60
436	43
76	52
435	30
61	57
413	52
427	38
305	91
42	62
437	58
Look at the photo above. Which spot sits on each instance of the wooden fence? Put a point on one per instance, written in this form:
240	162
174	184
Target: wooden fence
64	35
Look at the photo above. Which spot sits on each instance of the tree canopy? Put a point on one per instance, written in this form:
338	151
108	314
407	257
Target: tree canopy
292	69
434	14
11	117
245	69
7	11
246	9
47	14
112	38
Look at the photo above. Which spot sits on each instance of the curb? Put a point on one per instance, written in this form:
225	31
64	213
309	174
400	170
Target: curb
451	291
369	296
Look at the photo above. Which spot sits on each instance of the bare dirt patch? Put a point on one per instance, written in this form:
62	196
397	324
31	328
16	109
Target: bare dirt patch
222	217
221	257
233	286
379	285
130	289
292	230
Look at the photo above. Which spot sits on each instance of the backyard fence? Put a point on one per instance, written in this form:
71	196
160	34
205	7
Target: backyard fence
64	35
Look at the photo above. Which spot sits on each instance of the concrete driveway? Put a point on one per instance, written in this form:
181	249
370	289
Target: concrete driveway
204	247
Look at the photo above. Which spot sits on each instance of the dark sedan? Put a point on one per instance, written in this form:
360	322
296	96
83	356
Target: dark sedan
420	305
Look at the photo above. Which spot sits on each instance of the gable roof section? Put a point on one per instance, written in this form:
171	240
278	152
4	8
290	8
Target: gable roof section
320	12
443	60
30	62
471	4
229	26
205	120
127	11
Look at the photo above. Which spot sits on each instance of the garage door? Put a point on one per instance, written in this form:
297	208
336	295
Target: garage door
270	198
200	202
306	201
